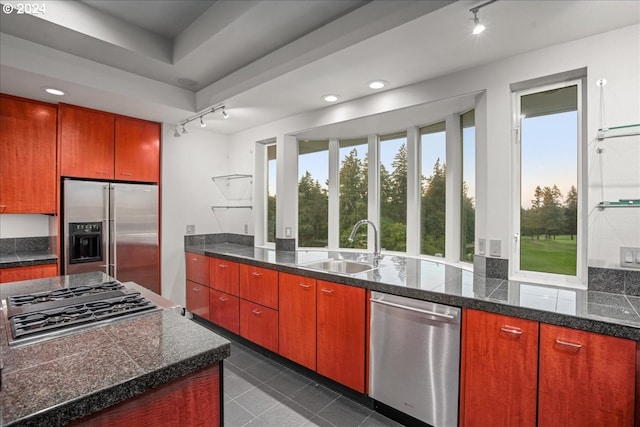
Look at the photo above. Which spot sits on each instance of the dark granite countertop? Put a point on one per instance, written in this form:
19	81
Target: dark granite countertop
55	381
600	312
24	259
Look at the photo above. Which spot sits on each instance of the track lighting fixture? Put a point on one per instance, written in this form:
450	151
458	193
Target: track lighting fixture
176	134
478	26
201	118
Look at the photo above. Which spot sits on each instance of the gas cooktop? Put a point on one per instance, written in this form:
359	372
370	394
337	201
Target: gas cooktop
45	314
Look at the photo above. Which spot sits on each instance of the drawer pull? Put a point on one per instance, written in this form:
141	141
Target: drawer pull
568	344
102	172
327	291
256	274
223	299
126	173
511	330
304	285
256	312
195	259
222	265
196	289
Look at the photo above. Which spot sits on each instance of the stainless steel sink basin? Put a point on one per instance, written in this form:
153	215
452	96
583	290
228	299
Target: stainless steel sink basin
341	266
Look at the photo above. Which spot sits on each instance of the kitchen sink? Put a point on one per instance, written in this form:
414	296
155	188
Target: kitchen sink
341	266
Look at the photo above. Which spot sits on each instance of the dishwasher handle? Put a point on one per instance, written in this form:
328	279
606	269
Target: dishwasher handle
417	310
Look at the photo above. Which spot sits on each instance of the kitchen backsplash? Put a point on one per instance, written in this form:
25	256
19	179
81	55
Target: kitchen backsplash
14	245
207	239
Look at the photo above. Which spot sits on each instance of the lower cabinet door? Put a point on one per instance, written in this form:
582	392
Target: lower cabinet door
224	310
586	379
259	324
15	274
341	333
499	370
198	299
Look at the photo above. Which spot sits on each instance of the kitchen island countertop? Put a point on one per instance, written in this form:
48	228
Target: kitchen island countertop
59	380
600	312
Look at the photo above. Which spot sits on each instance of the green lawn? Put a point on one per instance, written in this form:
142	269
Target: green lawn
549	256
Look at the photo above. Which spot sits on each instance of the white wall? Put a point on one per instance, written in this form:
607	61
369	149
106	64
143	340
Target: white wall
613	55
25	226
188	163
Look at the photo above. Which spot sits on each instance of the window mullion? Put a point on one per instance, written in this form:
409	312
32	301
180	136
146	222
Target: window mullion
334	194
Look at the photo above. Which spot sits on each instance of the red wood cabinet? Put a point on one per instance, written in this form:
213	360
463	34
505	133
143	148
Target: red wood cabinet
96	144
224	310
193	400
585	379
499	370
27	156
197	267
198	299
259	285
86	142
224	275
137	150
259	324
297	319
14	274
341	333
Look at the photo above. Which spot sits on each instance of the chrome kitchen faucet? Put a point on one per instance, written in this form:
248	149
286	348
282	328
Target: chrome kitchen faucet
376	249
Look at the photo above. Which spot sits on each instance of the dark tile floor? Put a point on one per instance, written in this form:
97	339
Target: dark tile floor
261	392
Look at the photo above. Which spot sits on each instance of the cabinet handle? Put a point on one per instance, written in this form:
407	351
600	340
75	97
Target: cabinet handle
256	274
327	291
568	344
511	330
222	265
256	312
304	285
126	173
195	259
102	172
196	290
223	299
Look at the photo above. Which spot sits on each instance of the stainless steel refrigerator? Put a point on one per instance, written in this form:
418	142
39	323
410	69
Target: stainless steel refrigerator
112	227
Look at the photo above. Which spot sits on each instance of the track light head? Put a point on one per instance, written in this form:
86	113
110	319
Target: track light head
176	134
225	114
478	27
202	123
184	130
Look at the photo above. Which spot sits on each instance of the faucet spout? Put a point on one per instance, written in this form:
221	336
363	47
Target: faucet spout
376	250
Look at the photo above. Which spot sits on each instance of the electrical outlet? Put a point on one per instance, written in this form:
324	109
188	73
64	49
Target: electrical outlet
246	229
287	232
191	229
481	244
494	247
630	257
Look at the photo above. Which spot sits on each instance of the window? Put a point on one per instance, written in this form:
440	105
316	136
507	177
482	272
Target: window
549	129
468	208
313	200
271	193
433	186
353	176
393	192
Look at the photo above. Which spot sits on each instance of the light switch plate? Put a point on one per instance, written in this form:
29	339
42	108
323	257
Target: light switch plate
494	248
481	245
191	229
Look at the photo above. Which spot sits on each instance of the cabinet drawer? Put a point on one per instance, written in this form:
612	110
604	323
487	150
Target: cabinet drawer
224	275
259	324
15	274
197	267
259	285
198	299
224	310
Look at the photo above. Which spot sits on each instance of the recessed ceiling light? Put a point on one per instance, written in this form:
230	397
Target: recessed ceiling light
377	84
53	91
330	98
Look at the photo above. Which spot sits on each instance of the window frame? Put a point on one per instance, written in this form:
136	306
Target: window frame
515	273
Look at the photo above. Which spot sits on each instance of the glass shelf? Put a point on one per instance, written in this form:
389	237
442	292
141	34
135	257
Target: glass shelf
622	203
618	131
232	207
235	186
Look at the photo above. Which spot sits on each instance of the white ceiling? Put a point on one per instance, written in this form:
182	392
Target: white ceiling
268	59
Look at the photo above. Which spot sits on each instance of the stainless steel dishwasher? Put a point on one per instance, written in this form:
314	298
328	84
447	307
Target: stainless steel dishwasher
415	358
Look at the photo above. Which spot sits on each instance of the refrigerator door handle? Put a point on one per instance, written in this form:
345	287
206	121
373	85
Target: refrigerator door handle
105	230
113	267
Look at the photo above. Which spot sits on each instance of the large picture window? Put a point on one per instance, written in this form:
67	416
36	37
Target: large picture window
271	193
393	192
313	198
354	170
433	185
468	204
549	119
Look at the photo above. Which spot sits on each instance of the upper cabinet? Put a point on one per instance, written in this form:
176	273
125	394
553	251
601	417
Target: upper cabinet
137	150
95	144
27	156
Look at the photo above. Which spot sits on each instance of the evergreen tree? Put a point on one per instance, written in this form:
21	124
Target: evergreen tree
353	198
433	211
313	205
571	212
